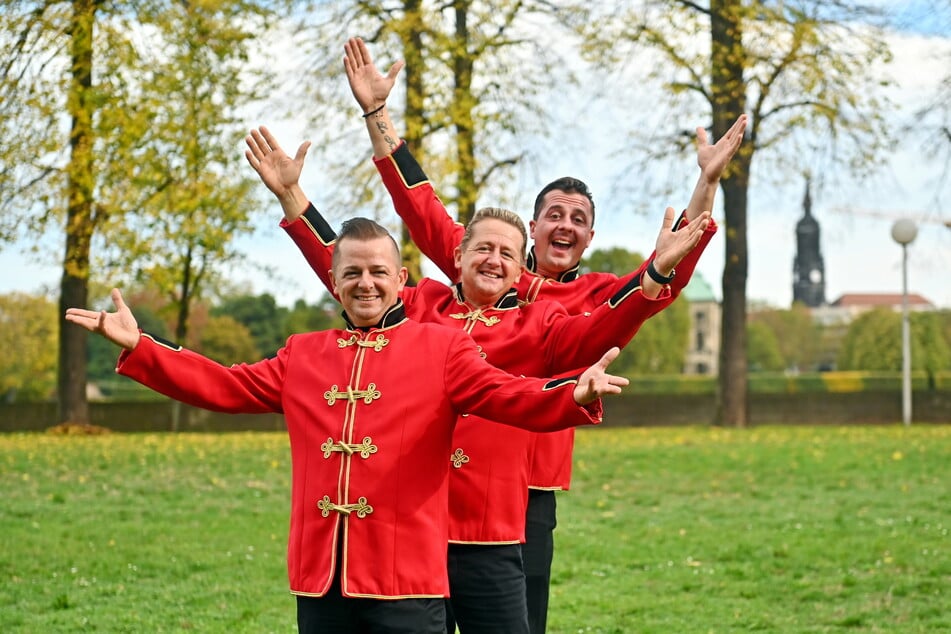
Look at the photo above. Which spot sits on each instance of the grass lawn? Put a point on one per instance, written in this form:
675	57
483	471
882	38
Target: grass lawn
796	529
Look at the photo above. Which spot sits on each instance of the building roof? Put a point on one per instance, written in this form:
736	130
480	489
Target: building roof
878	299
699	290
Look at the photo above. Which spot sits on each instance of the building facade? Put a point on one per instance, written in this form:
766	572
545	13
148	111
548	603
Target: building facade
703	349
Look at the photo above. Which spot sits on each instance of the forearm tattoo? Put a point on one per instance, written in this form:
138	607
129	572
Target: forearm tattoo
383	128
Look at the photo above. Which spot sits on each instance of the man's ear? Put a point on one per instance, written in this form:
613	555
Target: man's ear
590	238
401	276
531	229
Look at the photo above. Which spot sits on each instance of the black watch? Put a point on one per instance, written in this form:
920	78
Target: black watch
657	277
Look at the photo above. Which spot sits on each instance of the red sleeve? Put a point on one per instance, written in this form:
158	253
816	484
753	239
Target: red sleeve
477	387
580	340
689	263
430	226
316	240
191	378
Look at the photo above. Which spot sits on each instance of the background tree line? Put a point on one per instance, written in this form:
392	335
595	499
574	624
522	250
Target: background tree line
133	111
244	328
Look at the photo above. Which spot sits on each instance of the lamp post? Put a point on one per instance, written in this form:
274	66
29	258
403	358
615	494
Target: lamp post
904	232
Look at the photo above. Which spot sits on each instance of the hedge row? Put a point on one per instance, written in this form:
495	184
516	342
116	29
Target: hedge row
781	383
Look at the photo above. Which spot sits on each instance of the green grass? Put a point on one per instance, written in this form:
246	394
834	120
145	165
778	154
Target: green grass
818	529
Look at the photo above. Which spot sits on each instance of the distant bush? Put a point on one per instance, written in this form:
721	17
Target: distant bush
782	383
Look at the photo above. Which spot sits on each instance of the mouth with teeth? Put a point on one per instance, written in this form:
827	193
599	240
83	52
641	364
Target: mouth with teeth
562	245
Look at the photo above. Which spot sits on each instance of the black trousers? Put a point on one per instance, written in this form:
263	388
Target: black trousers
337	614
486	590
537	553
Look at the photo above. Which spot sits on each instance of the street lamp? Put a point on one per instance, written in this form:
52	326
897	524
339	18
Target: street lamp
904	232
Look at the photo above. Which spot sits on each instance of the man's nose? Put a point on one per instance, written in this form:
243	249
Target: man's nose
366	280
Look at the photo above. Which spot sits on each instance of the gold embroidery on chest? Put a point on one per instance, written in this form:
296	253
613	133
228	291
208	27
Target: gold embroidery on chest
459	458
376	344
365	449
368	395
476	316
361	508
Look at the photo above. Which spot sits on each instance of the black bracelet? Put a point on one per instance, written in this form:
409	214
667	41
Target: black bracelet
374	111
657	277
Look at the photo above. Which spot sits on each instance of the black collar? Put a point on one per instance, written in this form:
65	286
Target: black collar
508	301
531	264
394	316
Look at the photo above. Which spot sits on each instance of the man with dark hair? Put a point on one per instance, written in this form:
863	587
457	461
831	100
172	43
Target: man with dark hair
370	410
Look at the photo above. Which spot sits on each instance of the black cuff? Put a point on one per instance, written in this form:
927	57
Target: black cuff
657	277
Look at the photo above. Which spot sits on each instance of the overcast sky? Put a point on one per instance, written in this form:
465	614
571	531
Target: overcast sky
860	255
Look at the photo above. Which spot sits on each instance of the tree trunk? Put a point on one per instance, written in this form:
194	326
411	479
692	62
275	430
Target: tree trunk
74	285
414	75
729	101
462	105
733	404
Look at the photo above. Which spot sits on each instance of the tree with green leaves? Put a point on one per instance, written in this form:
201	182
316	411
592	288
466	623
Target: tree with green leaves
227	341
661	344
261	315
805	72
873	343
467	108
323	315
796	335
76	82
49	90
181	236
28	332
763	348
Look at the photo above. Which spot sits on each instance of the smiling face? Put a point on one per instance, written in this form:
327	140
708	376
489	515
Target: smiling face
490	260
562	230
367	278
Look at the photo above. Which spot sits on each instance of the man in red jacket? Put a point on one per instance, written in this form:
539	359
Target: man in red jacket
490	476
562	228
370	411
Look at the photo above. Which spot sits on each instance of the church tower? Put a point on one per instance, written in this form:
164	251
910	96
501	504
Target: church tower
809	277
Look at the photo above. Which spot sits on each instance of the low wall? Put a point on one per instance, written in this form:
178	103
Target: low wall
631	409
834	408
138	416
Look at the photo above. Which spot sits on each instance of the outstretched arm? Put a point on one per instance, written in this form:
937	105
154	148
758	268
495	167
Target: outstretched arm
281	173
415	200
119	327
712	160
278	171
371	90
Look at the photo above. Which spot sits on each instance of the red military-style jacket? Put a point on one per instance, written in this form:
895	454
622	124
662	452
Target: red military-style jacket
490	465
370	414
437	234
